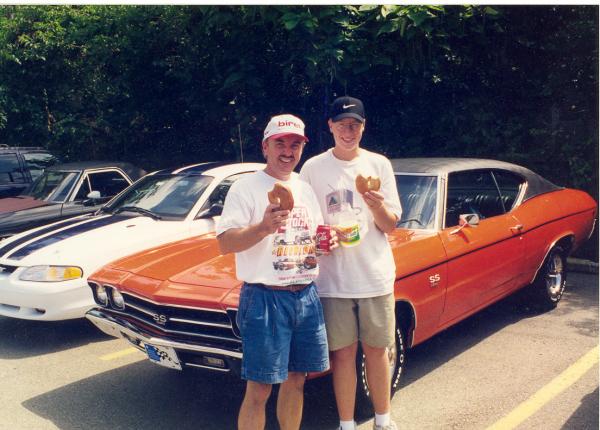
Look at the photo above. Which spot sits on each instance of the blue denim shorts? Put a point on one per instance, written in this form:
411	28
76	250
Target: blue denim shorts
281	331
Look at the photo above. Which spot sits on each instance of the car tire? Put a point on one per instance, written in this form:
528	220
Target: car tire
397	356
549	285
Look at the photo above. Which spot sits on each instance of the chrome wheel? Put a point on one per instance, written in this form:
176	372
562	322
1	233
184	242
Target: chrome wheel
549	285
555	275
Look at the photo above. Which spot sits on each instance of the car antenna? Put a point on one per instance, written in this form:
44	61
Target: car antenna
241	148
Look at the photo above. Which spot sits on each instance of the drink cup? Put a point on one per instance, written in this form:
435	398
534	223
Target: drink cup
349	233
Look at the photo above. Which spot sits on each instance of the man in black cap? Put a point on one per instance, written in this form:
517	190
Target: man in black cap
356	283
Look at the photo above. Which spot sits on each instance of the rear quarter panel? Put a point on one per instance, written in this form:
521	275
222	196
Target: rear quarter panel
550	217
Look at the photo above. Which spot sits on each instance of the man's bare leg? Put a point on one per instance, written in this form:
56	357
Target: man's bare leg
291	401
252	412
344	380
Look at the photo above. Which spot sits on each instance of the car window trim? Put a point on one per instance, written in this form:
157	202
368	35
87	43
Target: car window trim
87	181
484	169
111	169
522	188
85	173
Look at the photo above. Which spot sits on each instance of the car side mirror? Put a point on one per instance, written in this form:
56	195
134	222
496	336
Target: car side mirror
215	210
466	220
92	198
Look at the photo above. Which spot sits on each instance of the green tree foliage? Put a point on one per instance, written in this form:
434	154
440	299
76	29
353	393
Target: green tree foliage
166	85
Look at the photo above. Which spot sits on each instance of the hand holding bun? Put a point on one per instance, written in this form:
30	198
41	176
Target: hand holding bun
281	195
370	183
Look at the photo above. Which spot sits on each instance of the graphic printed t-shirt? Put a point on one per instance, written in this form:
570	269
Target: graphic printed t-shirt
366	268
287	256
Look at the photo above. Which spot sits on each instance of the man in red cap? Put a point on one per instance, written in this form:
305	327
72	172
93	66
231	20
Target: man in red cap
280	316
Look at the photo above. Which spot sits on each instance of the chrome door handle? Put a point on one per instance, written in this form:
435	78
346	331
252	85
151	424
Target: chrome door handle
517	228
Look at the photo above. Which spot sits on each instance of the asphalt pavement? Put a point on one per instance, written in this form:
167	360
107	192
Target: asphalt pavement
505	367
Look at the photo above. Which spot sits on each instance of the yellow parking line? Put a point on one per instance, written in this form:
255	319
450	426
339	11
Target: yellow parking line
118	354
548	392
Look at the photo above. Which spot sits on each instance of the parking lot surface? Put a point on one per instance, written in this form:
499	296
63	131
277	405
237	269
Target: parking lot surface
505	367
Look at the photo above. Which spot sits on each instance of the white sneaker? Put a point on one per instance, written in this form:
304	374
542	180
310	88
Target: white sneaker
390	426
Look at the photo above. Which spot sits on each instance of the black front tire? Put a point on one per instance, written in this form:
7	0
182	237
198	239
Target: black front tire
397	356
549	285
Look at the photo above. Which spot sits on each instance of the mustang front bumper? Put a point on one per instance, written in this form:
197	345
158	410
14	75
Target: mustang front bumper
44	301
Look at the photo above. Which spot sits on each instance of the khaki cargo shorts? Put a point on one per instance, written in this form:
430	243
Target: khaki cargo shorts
370	320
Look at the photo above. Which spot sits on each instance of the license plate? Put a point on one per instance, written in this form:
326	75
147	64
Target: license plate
163	355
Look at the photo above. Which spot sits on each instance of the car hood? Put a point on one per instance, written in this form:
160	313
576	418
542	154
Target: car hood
193	261
14	204
190	272
89	241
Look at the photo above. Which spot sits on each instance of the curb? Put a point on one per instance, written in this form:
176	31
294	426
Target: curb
580	265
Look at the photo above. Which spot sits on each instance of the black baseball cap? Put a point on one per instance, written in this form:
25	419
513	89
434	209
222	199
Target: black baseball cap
347	107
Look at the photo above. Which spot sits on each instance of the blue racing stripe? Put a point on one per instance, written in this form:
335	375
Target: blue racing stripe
66	234
12	245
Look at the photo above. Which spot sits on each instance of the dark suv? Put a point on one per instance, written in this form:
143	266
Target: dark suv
19	166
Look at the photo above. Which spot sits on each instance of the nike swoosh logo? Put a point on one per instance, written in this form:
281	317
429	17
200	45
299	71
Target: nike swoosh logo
347	106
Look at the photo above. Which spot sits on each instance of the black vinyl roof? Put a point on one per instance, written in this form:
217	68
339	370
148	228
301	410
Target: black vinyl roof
535	183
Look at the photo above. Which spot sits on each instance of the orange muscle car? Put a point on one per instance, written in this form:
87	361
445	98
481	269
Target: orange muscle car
472	232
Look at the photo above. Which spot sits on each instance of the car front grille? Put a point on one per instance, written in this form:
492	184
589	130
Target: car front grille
215	327
203	326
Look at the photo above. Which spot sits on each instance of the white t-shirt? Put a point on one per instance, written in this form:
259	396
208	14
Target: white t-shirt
287	256
366	269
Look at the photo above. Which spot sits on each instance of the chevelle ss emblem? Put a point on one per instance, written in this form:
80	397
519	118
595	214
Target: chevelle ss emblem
434	280
160	319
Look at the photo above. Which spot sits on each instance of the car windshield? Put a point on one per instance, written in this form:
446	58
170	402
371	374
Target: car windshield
418	198
52	186
38	161
168	196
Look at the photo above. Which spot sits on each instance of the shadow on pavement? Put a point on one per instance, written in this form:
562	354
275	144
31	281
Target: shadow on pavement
436	351
145	396
24	338
584	415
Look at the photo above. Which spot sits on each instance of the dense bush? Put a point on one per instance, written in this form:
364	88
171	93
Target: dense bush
162	86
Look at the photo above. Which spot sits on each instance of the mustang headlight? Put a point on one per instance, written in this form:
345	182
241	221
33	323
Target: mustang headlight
51	273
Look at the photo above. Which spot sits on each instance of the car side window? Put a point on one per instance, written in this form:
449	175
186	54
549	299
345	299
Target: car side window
84	190
108	183
217	197
10	169
510	185
472	192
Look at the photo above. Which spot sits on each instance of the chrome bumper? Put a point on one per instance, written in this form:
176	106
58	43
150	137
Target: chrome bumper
116	327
